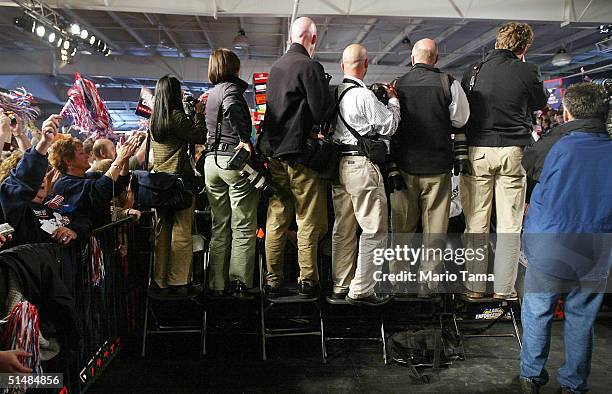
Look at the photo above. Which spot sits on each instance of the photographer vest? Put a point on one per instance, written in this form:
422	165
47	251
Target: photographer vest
422	144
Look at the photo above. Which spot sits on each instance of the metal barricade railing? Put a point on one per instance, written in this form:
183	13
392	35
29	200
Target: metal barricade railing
104	276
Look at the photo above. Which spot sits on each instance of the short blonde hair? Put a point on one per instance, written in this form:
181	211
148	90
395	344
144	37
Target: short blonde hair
61	150
514	36
222	65
9	163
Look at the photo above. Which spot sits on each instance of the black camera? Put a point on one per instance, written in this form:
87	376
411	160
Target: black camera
380	92
607	85
189	103
240	162
396	182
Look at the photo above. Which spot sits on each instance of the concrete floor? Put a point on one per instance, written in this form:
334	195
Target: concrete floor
233	364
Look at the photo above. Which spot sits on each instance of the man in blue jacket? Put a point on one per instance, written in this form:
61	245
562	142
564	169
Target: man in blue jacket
567	238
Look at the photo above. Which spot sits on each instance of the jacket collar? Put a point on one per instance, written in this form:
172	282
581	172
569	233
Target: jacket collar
591	125
502	53
298	48
425	66
240	84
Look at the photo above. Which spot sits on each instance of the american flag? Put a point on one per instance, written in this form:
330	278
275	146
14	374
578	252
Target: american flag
55	202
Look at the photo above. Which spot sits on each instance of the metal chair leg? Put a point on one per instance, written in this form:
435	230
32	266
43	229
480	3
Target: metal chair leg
204	332
323	346
384	339
146	327
516	328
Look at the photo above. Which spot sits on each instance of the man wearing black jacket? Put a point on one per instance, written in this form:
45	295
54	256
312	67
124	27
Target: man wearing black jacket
432	105
503	91
298	99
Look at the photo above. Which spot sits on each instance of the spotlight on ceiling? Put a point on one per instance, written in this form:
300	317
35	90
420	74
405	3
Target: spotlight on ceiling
51	37
75	29
241	41
67	44
562	58
84	34
92	40
40	31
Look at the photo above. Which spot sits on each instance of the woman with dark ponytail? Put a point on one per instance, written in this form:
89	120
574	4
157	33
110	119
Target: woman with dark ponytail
172	131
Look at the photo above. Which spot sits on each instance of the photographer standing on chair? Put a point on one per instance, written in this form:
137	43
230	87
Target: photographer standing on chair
432	105
359	198
297	99
503	91
172	131
233	199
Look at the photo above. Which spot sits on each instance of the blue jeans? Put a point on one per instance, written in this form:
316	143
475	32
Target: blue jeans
581	305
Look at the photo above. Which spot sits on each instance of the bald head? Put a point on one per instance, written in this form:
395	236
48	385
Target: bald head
304	31
425	51
104	149
355	61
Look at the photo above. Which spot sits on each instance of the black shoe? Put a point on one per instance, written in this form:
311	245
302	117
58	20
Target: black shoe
240	290
528	387
275	291
339	296
158	291
373	300
309	290
215	293
179	291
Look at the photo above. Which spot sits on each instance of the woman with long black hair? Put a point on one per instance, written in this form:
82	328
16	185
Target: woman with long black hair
233	200
172	131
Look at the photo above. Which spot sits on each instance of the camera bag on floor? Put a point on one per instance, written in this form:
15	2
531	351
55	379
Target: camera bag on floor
424	348
160	189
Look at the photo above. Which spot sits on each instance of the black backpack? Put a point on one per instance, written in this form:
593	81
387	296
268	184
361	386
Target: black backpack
425	348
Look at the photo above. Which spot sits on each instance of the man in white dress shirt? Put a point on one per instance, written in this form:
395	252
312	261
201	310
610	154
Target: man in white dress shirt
359	197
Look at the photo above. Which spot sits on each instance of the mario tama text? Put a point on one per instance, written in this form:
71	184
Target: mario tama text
421	276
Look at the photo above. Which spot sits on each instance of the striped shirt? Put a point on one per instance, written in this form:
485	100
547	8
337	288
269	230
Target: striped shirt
365	113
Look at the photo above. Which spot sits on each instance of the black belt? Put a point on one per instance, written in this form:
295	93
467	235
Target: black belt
348	148
223	147
343	154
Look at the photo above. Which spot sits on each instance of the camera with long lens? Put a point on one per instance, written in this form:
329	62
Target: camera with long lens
189	103
380	92
607	85
240	162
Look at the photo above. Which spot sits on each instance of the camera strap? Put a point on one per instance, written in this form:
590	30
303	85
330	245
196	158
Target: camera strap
218	133
339	99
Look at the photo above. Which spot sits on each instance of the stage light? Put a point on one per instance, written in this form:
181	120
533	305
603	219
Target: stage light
108	53
92	40
66	44
84	34
60	41
51	37
75	29
73	52
63	51
40	31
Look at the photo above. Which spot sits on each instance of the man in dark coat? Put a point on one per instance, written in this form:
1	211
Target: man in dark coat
298	100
